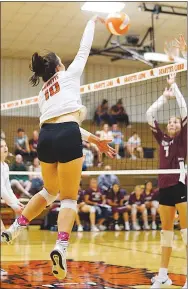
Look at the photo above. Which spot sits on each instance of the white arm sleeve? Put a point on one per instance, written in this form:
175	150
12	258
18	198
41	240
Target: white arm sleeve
7	194
78	64
180	100
152	110
85	134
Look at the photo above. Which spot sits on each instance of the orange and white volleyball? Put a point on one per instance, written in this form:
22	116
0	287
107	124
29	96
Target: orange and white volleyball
118	23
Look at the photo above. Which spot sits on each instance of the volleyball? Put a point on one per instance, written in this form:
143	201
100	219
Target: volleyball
118	23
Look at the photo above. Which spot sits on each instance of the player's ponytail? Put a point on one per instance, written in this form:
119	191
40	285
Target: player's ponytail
43	66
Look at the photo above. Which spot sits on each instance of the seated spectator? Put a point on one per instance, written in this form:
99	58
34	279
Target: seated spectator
84	208
95	197
151	203
102	113
117	140
136	201
33	142
96	153
119	114
134	145
88	156
20	182
36	180
117	198
105	182
22	144
106	133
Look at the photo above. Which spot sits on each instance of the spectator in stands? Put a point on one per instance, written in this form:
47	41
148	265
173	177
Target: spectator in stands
3	135
22	144
33	142
117	139
84	208
150	201
96	197
102	113
106	133
117	198
36	180
88	156
108	180
20	182
119	114
134	146
136	201
96	153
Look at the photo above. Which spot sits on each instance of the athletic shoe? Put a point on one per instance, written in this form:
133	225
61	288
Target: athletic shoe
154	226
12	232
94	229
146	227
58	257
3	272
136	227
160	282
117	227
102	228
80	228
127	227
185	285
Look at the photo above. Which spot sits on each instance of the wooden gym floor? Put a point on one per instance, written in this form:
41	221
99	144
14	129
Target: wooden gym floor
104	260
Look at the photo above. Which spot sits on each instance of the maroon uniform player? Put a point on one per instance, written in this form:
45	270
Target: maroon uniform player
95	197
117	198
149	196
172	188
84	208
136	201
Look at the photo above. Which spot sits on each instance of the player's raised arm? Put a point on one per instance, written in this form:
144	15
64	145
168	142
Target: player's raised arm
152	110
78	64
179	97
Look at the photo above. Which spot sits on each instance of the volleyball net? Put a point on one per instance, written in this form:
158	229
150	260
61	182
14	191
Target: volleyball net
137	92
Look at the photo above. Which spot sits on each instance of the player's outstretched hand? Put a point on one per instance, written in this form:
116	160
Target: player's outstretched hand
105	148
169	93
96	18
180	43
171	78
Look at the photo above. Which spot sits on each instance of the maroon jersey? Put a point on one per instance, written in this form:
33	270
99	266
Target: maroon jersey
116	198
94	196
172	152
80	196
133	200
149	197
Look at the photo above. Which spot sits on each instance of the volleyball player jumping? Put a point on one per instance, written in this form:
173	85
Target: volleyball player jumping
60	143
6	192
173	196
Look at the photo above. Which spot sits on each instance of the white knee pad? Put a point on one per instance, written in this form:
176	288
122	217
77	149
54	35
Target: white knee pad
69	204
184	236
49	198
153	211
145	212
92	209
155	204
134	209
167	238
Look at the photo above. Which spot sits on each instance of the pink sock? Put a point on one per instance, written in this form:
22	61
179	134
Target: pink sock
23	221
63	236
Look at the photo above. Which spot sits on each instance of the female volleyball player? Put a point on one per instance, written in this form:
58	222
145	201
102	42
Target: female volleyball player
6	192
60	143
173	151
